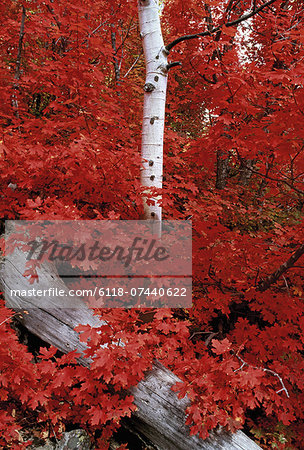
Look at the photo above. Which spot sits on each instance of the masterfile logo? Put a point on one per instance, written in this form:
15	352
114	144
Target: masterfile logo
140	250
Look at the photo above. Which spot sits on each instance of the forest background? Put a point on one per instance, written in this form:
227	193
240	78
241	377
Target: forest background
71	82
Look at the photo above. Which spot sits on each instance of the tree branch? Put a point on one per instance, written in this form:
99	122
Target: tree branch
133	65
173	64
275	374
271	279
126	35
219	27
265	175
51	10
115	61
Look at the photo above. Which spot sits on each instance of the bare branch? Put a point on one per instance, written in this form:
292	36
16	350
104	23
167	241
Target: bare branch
134	64
115	61
218	28
126	35
209	17
51	10
173	64
96	29
11	317
275	374
271	279
268	177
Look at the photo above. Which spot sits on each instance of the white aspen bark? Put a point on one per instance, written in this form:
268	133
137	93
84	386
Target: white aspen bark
154	102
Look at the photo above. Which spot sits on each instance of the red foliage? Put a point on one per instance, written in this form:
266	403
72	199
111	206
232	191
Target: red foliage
70	143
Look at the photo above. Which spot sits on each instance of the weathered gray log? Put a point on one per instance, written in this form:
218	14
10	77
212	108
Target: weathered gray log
160	415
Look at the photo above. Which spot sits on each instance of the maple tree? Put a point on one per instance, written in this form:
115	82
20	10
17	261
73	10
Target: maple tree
72	78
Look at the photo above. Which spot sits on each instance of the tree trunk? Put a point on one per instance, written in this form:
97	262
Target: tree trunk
246	171
222	170
154	102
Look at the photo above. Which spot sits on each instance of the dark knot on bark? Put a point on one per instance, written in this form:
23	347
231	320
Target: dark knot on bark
149	87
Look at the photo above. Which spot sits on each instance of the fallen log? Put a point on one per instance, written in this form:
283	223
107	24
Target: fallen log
160	415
